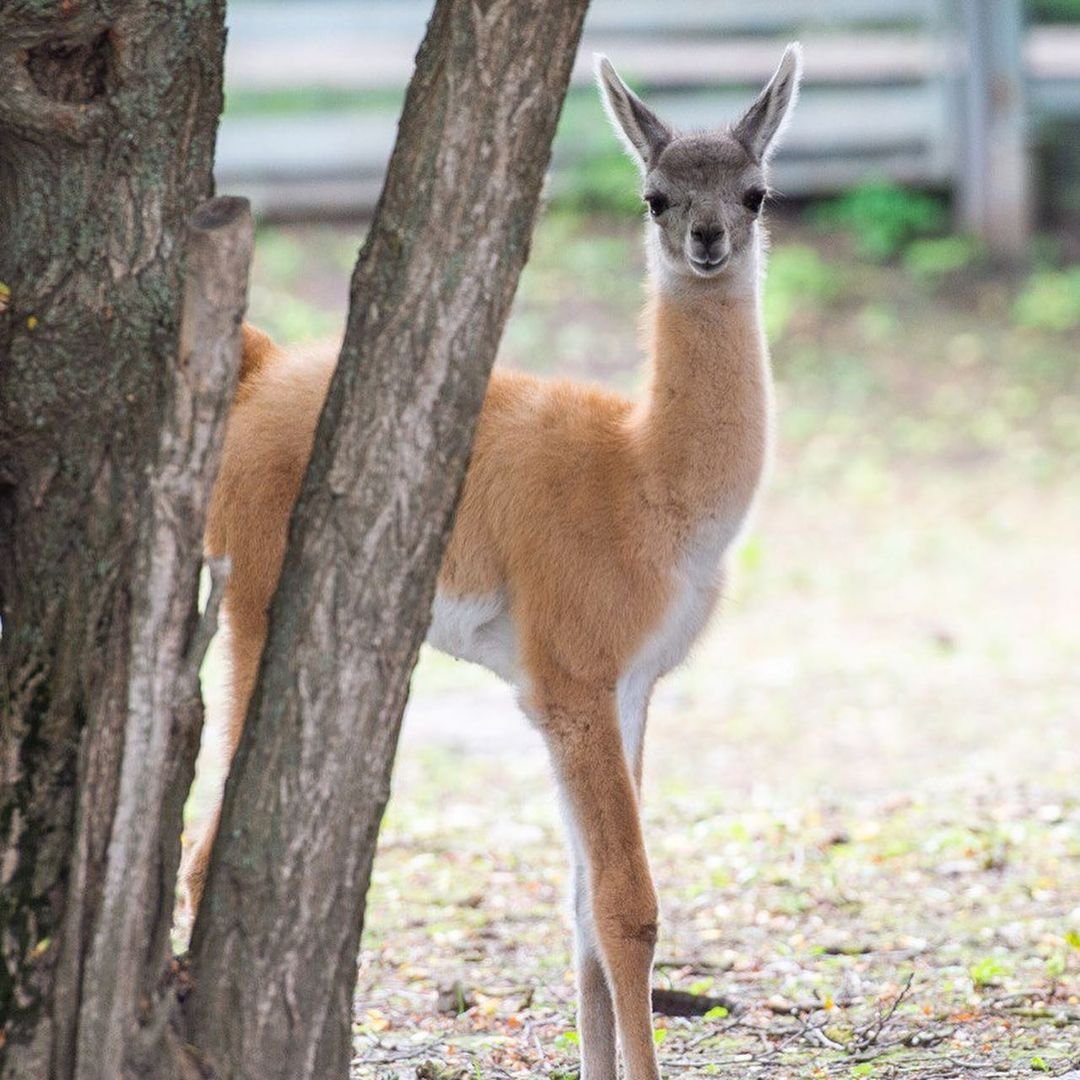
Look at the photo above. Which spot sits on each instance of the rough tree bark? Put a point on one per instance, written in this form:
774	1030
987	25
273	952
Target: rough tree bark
274	948
108	112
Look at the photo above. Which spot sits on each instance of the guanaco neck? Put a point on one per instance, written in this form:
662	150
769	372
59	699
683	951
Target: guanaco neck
703	429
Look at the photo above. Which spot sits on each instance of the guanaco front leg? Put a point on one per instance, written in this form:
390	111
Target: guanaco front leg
591	767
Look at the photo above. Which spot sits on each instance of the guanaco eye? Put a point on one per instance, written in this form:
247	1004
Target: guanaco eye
657	204
753	199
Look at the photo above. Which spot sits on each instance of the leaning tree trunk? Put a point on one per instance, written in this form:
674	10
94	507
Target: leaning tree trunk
108	113
274	947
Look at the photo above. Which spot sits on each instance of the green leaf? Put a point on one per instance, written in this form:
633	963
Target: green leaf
717	1012
659	1035
986	971
1072	937
1039	1064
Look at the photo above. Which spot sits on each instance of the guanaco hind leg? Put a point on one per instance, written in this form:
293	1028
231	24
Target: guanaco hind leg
244	637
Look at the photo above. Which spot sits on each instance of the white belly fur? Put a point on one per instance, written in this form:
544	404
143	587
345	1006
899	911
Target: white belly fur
478	628
696	586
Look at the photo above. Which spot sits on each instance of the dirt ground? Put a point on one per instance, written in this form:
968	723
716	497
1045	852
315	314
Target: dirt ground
861	798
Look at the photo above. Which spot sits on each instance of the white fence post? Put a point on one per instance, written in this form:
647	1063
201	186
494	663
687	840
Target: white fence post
993	180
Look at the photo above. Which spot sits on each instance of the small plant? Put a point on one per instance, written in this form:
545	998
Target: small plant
1050	301
883	218
932	258
568	1040
986	972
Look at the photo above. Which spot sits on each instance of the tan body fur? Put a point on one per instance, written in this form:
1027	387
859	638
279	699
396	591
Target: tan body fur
585	558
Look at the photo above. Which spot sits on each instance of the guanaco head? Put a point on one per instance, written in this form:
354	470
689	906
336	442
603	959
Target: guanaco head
704	190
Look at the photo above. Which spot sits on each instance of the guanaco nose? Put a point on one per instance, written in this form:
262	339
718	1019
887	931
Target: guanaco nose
708	243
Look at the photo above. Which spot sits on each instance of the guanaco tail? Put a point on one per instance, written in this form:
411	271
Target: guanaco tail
590	540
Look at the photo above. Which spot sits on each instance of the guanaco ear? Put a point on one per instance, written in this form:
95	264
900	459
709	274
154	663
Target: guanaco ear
760	128
643	132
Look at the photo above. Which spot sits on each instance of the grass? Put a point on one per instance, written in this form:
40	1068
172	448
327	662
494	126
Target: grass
867	772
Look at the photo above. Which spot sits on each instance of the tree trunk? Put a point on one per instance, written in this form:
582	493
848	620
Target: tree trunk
108	113
274	948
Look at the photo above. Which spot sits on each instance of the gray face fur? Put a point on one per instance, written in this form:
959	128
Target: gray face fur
704	191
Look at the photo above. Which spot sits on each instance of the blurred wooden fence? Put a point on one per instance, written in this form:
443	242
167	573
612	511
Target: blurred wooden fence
931	92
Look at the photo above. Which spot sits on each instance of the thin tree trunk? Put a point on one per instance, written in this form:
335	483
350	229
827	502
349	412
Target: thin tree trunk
274	948
164	717
108	113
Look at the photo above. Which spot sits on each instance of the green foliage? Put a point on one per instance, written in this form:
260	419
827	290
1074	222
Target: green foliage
865	1069
602	182
798	277
932	258
571	255
1054	11
288	318
717	1012
1072	937
1050	301
1038	1064
287	271
595	176
883	218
